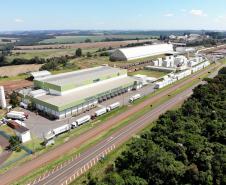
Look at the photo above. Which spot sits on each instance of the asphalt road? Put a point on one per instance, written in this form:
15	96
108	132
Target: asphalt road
45	158
115	139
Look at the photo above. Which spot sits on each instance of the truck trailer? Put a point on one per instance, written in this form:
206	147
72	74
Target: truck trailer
81	121
61	129
17	116
135	97
113	106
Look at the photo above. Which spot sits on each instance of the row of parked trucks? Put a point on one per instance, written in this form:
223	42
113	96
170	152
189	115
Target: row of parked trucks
80	121
85	119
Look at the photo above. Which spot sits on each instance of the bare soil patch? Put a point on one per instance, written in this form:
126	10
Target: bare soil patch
18	69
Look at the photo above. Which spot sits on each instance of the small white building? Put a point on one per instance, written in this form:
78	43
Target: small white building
23	133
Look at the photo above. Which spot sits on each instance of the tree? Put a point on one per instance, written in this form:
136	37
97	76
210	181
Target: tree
88	54
78	52
15	143
88	40
14	99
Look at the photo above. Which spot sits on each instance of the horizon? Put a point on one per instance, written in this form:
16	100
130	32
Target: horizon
148	15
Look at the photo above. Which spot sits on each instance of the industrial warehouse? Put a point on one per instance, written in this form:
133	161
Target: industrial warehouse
125	54
72	93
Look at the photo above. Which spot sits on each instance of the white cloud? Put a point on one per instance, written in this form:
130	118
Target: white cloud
199	13
169	15
18	20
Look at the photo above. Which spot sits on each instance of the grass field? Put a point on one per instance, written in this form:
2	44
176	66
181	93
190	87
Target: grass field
45	53
150	73
79	39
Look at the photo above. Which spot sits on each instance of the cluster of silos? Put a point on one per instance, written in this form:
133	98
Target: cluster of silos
2	98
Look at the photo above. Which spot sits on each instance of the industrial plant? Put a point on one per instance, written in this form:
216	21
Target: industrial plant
72	93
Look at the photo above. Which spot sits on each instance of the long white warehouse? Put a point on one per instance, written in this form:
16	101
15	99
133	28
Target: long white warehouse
125	54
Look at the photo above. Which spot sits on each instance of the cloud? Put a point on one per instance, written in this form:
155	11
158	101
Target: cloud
169	15
18	20
199	13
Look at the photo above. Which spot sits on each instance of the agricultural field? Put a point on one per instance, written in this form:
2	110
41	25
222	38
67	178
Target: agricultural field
149	73
80	39
11	40
12	71
113	44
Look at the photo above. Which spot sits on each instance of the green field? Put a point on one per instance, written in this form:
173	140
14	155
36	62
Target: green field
44	53
79	39
150	73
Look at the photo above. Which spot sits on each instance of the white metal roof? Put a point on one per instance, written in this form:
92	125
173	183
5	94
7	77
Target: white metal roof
146	51
80	75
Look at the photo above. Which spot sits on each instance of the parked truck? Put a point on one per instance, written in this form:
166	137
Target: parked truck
135	97
99	112
21	113
113	106
61	129
81	121
12	115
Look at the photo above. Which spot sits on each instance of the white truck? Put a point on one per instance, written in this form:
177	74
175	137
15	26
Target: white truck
17	116
21	113
135	97
113	106
61	129
81	121
101	111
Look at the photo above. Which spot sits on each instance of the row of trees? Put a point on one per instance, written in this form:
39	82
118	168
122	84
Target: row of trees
187	146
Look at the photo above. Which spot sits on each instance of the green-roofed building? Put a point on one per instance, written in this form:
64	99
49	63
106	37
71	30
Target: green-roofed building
72	93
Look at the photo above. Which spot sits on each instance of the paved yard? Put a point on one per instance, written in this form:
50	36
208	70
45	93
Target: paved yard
40	125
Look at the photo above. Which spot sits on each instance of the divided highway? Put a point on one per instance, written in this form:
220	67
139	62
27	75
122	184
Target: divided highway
64	175
61	176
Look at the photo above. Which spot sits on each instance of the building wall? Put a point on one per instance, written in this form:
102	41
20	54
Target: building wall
24	137
87	105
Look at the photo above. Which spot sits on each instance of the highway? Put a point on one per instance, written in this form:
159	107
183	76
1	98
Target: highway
115	140
63	175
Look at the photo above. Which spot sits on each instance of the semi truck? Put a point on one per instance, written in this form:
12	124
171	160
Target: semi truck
99	112
21	113
61	129
113	106
12	115
81	121
135	97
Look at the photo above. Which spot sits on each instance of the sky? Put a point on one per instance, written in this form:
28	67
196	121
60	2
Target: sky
18	15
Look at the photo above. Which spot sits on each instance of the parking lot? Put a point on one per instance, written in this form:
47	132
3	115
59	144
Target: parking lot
40	125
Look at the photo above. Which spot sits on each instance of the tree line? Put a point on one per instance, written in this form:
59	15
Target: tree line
186	146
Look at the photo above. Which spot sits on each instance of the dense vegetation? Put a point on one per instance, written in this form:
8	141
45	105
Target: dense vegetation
187	146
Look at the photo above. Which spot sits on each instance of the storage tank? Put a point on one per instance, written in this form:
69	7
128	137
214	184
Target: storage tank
2	98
